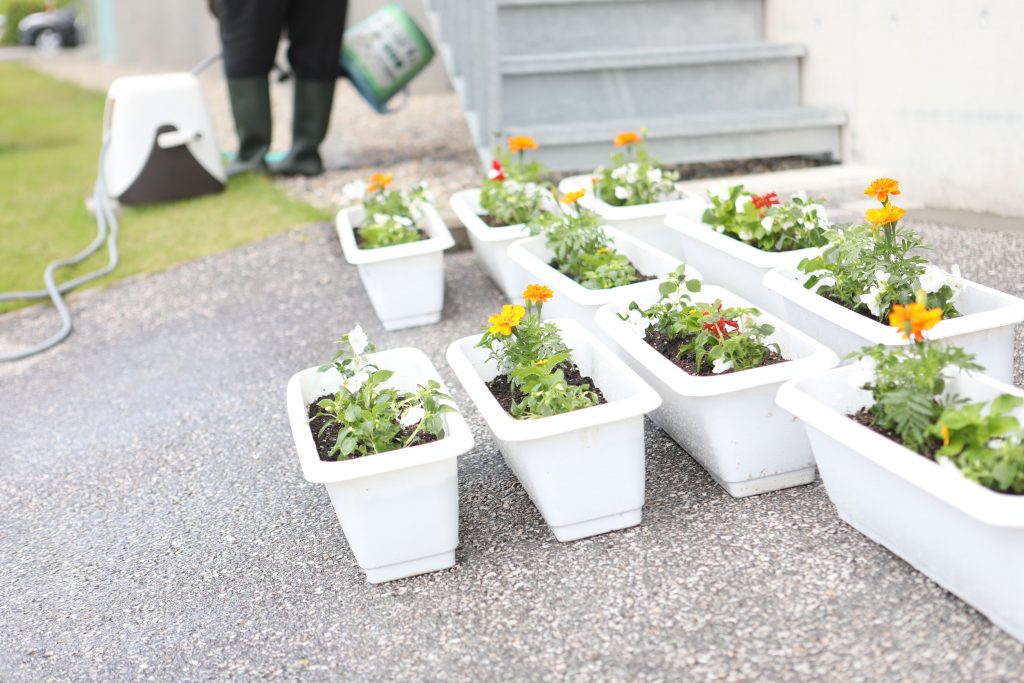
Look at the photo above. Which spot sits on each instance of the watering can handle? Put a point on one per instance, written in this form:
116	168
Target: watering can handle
401	104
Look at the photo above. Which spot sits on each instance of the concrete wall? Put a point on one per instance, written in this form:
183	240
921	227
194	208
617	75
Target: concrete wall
932	89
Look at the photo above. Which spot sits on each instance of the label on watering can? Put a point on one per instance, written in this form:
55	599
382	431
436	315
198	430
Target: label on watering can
382	53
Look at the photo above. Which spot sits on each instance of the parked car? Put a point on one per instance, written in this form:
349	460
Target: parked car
50	31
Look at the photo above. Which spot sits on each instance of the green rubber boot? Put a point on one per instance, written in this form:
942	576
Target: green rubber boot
250	106
310	118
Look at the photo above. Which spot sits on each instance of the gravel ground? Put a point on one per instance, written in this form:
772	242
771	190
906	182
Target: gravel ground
154	523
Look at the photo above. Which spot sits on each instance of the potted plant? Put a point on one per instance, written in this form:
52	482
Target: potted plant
717	364
565	412
587	264
635	193
843	295
381	433
396	240
926	457
496	213
741	236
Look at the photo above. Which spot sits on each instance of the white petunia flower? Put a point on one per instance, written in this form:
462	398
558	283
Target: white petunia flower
354	191
622	192
654	175
801	195
933	279
513	186
955	282
874	296
381	218
619	172
767	222
741	203
357	340
354	383
720	366
719	192
638	323
403	220
412	416
864	373
744	234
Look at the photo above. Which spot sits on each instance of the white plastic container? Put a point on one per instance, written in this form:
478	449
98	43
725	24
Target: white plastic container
405	282
572	300
733	264
490	244
643	221
728	423
985	327
399	510
584	470
967	538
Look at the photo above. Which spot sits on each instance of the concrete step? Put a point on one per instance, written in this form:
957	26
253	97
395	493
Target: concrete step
555	26
648	82
687	138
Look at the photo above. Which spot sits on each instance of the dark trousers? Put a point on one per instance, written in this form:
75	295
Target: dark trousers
251	29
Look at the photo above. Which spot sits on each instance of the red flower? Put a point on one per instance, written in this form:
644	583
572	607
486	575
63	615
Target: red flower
765	201
721	326
497	171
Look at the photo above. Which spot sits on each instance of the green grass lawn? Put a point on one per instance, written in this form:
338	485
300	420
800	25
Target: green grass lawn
49	145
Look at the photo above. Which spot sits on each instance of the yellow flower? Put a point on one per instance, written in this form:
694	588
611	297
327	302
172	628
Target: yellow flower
379	181
538	294
519	143
945	433
890	213
573	197
541	361
502	323
914	319
602	250
881	188
627	138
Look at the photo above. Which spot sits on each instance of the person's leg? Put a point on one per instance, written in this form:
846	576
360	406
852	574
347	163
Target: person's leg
315	28
249	33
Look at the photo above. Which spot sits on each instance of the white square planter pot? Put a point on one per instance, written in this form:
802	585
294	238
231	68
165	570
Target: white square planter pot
573	300
730	263
405	282
583	470
399	510
491	244
985	327
728	423
644	221
966	538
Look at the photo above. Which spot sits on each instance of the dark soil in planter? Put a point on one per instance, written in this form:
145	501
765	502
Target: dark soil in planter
669	348
503	391
640	277
492	222
360	241
325	442
859	311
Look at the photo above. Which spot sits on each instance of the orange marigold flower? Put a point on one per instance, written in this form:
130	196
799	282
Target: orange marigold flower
881	188
573	197
627	138
379	181
913	319
518	143
538	294
944	430
890	213
502	323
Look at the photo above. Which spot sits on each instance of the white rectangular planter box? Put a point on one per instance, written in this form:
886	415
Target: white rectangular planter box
399	510
985	327
966	538
728	423
573	300
491	244
644	221
584	470
730	263
405	282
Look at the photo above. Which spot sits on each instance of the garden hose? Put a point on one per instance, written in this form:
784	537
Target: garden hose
106	232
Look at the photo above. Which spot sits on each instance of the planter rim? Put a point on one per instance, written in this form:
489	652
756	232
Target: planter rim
560	282
439	239
643	398
685	384
462	203
625	213
458	438
981	503
704	233
786	281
